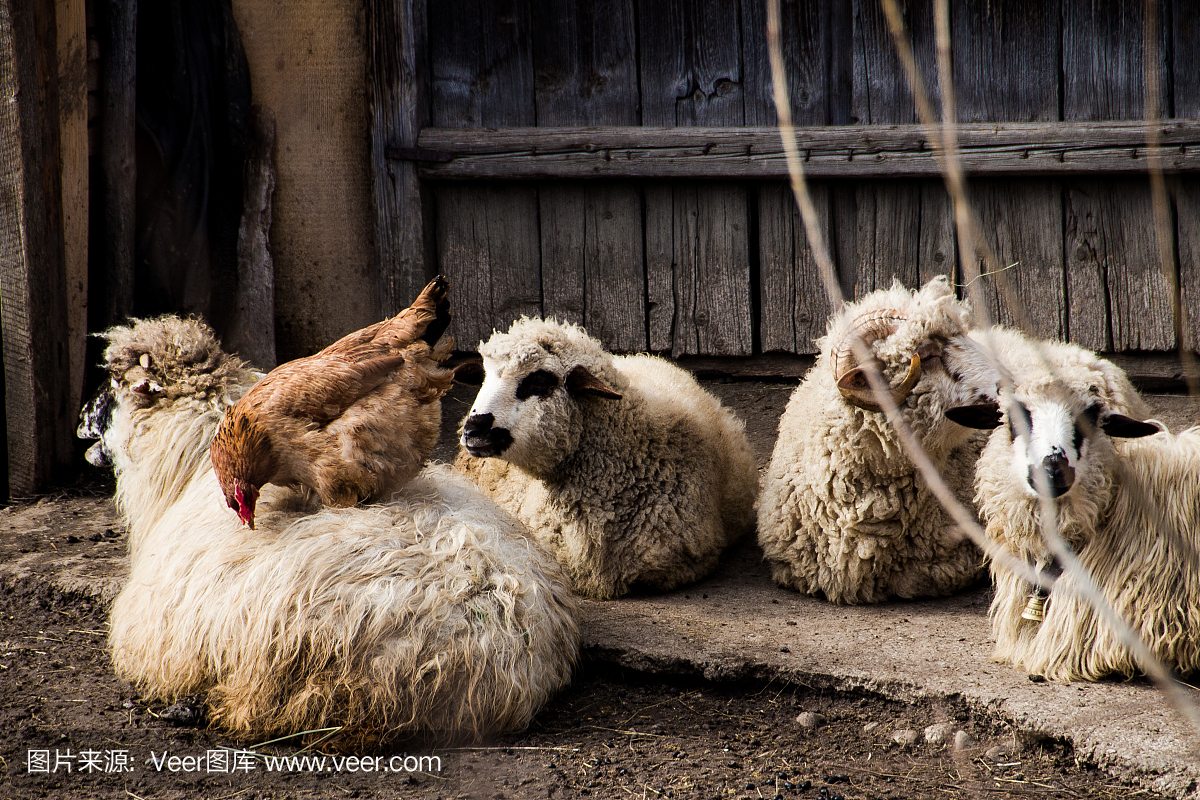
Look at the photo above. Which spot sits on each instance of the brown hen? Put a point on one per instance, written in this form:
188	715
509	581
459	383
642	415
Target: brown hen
354	422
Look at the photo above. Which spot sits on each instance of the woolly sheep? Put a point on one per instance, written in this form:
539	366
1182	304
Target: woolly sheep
1068	417
843	511
629	470
432	615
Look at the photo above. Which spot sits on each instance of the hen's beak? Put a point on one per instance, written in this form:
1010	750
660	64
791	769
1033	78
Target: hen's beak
245	497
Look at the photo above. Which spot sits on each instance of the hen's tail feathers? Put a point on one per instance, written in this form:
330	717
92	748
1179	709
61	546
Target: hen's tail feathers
437	293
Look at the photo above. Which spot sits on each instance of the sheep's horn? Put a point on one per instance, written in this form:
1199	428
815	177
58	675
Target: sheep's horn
851	380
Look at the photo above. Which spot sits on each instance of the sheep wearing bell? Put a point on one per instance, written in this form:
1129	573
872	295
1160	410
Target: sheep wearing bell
628	470
843	511
1126	500
430	615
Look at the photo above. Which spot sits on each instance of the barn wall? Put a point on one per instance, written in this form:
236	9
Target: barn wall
308	64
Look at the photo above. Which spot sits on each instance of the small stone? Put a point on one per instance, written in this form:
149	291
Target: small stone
1000	752
181	714
810	719
962	740
870	726
939	733
906	737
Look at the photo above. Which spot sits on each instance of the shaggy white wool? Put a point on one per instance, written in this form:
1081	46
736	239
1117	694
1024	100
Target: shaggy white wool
645	490
1142	556
431	615
844	512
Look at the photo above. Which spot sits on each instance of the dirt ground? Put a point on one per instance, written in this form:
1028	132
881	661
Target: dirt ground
610	734
70	728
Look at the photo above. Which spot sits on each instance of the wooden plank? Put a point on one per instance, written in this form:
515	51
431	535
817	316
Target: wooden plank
482	63
853	151
660	257
33	311
795	306
804	38
116	30
585	70
937	249
1023	223
1006	60
1111	242
404	247
1185	28
691	75
488	248
71	21
711	270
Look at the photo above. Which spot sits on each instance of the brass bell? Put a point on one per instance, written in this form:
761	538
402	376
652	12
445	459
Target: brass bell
1035	609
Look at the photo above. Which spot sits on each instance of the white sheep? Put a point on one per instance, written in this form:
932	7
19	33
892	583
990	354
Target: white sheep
1066	421
433	614
631	472
843	511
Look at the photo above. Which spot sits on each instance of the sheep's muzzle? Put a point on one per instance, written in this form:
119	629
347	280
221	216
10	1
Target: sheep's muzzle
482	439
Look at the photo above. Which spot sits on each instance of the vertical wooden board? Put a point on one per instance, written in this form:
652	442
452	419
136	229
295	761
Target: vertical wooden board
71	21
116	30
795	304
1188	215
561	227
614	269
1111	235
399	109
804	38
488	248
1006	58
777	264
660	264
585	62
1103	64
482	64
585	66
937	253
711	270
1023	223
1111	223
881	92
1185	52
888	235
690	62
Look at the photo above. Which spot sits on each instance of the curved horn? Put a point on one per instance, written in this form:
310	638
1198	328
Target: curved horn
851	380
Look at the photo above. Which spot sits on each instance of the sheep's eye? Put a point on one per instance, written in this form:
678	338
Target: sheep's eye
1087	422
1019	411
538	383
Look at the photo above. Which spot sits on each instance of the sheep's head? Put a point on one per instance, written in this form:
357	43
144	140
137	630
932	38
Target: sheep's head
539	380
1058	409
154	362
915	341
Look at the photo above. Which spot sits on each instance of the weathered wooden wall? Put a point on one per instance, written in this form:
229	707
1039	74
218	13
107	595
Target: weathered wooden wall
707	261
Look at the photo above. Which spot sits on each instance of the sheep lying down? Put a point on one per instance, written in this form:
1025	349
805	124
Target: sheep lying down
844	512
623	465
431	615
1126	500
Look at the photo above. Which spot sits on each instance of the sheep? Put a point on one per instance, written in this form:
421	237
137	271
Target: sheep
844	512
1128	507
433	615
624	466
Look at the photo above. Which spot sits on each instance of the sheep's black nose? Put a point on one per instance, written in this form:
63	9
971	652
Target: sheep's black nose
482	439
1060	475
478	424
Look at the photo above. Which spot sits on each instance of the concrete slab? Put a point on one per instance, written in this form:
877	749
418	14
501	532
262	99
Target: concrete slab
738	625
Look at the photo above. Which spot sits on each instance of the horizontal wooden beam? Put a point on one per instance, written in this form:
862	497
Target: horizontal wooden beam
852	151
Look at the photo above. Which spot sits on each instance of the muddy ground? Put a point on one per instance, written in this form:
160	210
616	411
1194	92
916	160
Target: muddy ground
610	734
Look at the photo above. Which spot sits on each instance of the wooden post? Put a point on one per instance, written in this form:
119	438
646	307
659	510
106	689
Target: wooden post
399	108
117	23
40	421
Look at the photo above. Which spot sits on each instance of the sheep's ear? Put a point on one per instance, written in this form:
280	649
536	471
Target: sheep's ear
470	373
580	381
1125	427
982	416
